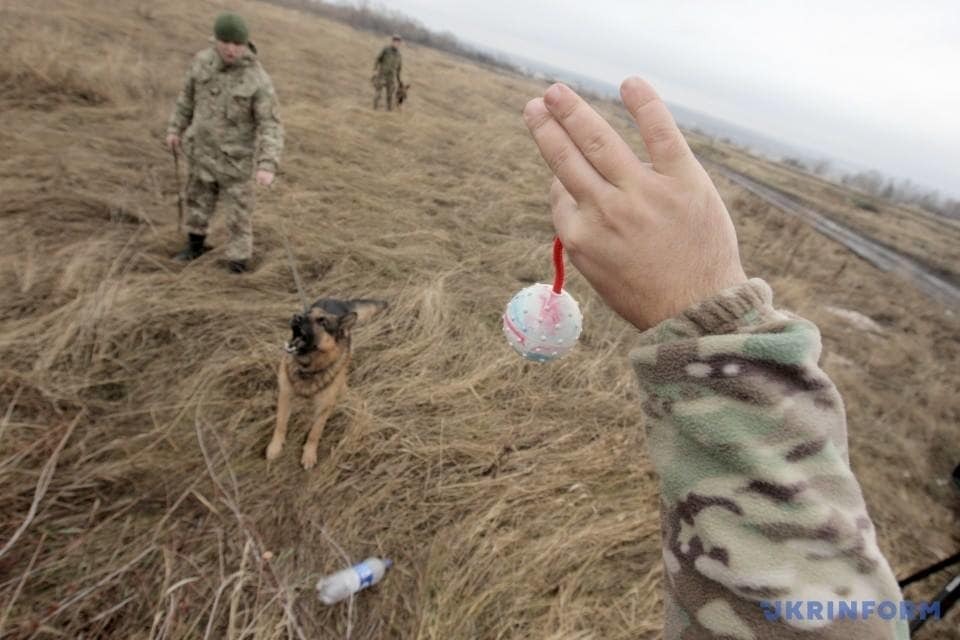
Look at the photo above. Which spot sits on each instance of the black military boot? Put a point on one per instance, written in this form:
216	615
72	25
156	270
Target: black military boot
194	249
238	266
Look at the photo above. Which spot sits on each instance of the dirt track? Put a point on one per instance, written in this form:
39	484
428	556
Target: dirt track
880	256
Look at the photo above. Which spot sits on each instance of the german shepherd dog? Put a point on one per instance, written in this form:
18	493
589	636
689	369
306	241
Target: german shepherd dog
402	95
315	366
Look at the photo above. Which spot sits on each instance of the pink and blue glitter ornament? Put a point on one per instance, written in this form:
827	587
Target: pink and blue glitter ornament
543	322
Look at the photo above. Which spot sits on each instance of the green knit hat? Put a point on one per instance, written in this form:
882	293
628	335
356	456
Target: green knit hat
230	27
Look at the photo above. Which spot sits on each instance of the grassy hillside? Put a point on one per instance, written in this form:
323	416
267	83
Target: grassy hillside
137	394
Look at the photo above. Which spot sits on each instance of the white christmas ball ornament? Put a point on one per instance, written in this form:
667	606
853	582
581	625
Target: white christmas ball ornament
542	325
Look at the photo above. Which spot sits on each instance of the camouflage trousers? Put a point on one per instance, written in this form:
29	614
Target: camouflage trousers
381	84
237	200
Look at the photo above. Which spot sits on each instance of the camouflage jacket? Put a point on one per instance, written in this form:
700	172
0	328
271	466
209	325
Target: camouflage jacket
759	506
228	116
389	62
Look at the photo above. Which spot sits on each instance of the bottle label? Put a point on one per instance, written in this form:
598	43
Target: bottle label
365	573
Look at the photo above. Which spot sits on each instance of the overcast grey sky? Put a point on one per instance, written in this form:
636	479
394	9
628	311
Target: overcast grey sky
876	82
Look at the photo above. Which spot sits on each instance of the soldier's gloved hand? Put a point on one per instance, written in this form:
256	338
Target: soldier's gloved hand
173	142
652	239
264	177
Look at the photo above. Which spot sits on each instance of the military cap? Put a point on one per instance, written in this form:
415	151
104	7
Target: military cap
230	27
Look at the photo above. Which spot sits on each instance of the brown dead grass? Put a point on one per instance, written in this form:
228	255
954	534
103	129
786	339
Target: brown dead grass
137	395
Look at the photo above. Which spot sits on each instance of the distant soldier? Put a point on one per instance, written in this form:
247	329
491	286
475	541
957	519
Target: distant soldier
227	115
387	72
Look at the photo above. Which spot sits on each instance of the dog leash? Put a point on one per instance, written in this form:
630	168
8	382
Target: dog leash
293	270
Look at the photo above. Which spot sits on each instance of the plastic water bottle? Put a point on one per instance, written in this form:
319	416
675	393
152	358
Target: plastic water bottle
340	585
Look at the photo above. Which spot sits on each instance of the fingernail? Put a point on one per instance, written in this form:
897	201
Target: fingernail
530	108
552	95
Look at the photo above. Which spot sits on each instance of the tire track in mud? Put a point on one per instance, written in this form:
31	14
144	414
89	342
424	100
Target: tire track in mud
878	255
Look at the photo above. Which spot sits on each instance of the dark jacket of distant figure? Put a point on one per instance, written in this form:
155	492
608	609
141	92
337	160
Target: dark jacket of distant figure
228	117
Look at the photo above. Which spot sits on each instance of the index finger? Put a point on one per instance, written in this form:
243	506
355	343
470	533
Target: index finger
561	154
593	135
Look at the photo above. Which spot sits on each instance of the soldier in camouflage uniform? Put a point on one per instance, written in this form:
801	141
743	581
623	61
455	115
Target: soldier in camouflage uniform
747	433
387	72
227	118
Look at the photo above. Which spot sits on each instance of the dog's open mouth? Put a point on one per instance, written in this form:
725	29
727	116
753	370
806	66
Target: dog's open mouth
294	346
302	340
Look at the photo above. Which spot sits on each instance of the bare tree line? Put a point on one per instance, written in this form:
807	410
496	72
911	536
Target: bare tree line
877	185
379	19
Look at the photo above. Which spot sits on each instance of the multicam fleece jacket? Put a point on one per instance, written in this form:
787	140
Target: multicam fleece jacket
759	506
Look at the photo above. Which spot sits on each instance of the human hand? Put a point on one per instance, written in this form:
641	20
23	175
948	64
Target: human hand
264	177
652	239
173	142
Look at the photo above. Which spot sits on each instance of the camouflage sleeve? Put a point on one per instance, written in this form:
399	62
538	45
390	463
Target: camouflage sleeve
183	109
266	109
759	506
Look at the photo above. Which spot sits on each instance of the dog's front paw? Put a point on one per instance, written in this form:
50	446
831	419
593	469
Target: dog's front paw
273	451
309	458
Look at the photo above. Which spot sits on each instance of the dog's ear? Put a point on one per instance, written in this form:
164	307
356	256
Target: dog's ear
345	323
366	309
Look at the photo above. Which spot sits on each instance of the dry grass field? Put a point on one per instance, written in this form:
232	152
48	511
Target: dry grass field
137	394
